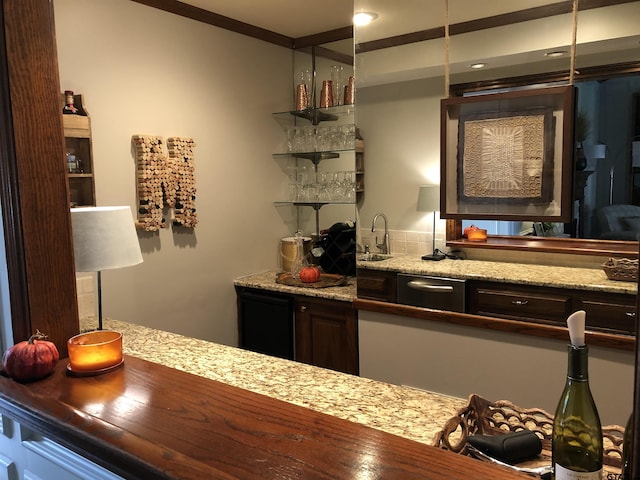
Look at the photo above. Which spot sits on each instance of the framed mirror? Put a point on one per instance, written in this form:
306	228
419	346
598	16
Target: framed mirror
604	189
407	50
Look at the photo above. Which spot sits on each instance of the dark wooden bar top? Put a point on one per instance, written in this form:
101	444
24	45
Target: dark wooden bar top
147	421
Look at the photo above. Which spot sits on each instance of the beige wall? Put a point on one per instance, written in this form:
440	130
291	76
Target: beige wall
459	360
144	71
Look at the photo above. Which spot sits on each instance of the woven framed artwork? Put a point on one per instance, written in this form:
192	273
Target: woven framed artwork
508	156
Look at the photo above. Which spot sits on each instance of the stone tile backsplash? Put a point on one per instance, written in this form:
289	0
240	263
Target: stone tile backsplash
404	241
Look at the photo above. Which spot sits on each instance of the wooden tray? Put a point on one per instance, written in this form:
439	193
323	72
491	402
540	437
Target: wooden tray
493	418
326	280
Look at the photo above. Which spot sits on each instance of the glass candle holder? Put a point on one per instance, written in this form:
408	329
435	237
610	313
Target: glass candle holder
95	352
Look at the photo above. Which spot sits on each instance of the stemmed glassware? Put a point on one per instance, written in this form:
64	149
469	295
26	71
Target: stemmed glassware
305	185
337	82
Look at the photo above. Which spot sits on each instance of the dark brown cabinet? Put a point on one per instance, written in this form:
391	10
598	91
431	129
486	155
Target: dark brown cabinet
317	331
518	302
608	312
377	285
326	334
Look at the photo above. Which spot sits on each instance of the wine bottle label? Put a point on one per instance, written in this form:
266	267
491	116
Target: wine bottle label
563	473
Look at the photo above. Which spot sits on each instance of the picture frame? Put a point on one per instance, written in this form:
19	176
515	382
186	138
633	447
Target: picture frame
508	155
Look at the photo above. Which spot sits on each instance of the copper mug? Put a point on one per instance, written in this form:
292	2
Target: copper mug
302	97
326	95
350	92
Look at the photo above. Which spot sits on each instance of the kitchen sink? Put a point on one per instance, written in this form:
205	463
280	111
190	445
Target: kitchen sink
373	257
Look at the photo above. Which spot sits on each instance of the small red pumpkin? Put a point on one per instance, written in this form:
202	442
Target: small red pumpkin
31	359
309	274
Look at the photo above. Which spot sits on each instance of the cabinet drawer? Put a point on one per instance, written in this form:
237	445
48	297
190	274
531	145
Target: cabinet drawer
377	285
609	312
519	304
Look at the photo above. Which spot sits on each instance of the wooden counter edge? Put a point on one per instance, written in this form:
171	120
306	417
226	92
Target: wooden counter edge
94	439
133	457
617	341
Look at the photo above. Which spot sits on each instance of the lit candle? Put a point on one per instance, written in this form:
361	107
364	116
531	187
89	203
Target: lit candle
95	351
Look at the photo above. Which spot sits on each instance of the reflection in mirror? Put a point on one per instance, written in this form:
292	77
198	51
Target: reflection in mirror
606	192
400	74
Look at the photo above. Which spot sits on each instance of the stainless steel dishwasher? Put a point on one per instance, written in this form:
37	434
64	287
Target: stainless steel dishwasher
432	292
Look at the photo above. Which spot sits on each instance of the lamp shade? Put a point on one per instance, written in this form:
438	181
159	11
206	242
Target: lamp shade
104	238
429	198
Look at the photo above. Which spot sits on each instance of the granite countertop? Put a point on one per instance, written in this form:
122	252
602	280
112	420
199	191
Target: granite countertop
403	411
267	281
578	278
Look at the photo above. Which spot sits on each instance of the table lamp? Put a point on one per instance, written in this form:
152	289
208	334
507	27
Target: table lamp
104	238
429	201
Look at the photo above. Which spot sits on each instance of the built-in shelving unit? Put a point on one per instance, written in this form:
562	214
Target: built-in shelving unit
79	155
317	126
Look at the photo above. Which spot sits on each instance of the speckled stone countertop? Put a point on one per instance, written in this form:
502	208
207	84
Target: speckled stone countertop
267	281
525	274
402	411
577	278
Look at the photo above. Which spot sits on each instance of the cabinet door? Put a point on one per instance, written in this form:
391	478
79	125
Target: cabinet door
326	334
265	323
377	285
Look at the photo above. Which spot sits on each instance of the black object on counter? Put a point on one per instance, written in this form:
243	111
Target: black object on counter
339	243
511	447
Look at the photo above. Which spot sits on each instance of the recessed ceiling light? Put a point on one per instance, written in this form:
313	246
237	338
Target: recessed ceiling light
478	65
364	18
557	53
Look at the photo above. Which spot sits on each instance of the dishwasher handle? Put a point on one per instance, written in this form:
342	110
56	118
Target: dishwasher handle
428	287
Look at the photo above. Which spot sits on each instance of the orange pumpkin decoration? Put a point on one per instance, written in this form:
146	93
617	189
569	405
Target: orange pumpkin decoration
310	274
31	359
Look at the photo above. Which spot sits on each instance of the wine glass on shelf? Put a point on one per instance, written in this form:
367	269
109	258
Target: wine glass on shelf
349	187
336	187
308	143
337	82
324	192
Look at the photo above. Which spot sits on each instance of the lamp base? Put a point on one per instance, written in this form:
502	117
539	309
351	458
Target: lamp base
435	256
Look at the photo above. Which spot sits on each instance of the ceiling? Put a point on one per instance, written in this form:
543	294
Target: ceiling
292	18
299	18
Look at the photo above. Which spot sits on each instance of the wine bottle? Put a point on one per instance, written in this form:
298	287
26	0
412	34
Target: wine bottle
69	107
576	446
627	448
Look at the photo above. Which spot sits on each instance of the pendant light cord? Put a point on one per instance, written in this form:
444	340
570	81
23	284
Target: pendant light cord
446	49
574	36
447	73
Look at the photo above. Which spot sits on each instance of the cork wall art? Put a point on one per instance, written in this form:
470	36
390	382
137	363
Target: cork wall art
165	178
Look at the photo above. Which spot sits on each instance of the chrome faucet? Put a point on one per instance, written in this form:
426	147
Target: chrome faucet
384	246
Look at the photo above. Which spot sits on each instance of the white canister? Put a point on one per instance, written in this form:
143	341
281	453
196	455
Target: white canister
288	251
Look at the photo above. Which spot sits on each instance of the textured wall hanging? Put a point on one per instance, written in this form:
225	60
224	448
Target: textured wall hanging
165	181
182	181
